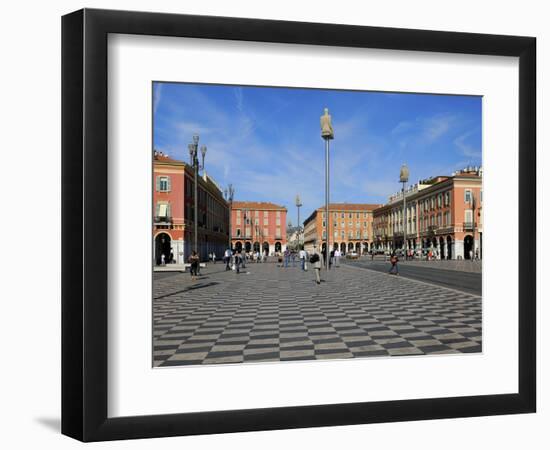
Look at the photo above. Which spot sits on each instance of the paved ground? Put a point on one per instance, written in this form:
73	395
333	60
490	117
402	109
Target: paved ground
428	271
277	314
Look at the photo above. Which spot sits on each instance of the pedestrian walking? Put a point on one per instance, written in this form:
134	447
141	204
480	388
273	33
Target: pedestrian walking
337	258
227	259
315	259
293	258
394	260
214	257
238	261
194	261
302	256
286	257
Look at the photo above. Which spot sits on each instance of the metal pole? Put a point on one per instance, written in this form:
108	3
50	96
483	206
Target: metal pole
299	228
404	223
196	212
327	199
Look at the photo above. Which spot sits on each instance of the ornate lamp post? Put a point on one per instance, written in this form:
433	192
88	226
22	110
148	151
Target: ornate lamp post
403	178
228	194
327	133
298	205
194	154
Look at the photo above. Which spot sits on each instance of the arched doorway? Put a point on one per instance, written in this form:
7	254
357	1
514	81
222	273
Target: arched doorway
256	247
265	248
247	246
238	246
343	247
278	247
442	247
323	247
366	247
162	247
335	246
449	248
358	248
350	246
468	246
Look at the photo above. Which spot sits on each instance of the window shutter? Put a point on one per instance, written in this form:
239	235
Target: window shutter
168	184
168	210
158	183
157	209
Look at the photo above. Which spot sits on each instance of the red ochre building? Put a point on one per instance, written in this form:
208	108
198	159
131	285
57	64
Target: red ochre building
350	227
444	214
173	212
258	226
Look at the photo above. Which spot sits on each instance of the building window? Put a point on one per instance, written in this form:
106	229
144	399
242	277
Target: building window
238	232
350	215
163	184
266	232
324	224
238	213
468	216
265	214
343	235
467	196
343	216
278	233
447	198
256	213
335	234
358	234
324	234
278	213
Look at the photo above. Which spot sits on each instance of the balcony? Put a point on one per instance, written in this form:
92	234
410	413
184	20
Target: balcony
468	226
163	220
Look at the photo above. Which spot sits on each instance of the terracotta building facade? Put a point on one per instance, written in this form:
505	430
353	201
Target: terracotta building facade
350	228
443	214
173	212
258	226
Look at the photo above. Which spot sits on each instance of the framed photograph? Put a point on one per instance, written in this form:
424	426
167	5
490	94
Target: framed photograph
273	225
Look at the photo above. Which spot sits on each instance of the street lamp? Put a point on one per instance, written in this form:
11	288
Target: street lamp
327	133
403	178
298	205
473	205
194	154
229	192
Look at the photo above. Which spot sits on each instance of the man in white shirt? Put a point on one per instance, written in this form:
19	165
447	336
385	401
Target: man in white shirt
227	258
303	255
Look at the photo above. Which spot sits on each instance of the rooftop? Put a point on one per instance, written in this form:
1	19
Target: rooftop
350	206
257	205
163	157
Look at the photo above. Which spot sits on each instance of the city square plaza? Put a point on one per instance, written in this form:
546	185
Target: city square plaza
273	313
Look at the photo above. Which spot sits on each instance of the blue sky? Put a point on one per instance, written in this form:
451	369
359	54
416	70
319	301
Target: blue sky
266	141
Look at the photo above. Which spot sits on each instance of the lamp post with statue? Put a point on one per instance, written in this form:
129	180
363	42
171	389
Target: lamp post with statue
327	133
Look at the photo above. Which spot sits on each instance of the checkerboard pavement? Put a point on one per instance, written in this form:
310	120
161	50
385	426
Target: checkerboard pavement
281	314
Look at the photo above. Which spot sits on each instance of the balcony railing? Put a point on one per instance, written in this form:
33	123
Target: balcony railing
468	226
163	219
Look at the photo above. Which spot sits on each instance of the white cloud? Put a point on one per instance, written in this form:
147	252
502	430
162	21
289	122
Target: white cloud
466	149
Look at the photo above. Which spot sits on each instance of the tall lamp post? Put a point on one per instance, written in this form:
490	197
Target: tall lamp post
327	133
473	203
298	205
228	194
194	153
403	178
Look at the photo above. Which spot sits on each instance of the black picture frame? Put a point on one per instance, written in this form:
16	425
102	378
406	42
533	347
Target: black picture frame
84	224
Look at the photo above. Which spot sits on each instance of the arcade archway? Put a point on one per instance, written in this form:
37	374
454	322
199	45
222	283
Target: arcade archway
163	243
